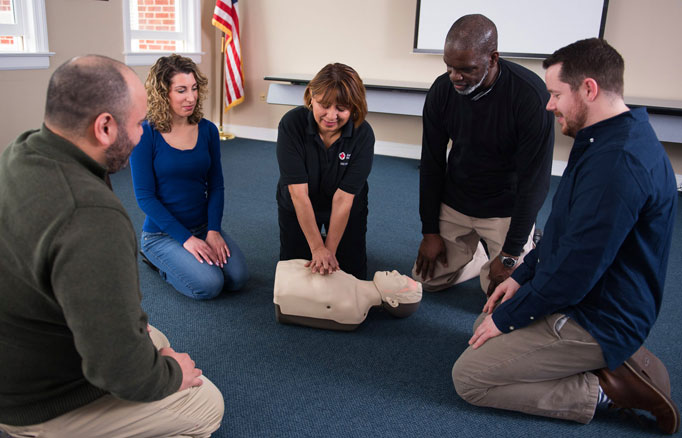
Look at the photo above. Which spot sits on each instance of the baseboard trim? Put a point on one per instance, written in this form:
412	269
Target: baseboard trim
251	132
391	149
402	150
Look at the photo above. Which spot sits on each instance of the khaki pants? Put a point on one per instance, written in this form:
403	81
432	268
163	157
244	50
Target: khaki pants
194	412
462	235
542	369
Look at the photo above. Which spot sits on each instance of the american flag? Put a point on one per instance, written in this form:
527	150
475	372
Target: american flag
225	18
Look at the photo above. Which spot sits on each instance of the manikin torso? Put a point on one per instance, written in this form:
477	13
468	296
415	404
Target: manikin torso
339	300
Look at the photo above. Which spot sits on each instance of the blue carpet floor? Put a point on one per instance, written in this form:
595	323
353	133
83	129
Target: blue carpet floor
389	378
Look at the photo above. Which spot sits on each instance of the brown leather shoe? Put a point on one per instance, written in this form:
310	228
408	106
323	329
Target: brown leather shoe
629	388
647	364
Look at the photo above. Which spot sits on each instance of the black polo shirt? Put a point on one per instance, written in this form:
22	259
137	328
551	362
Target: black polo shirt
303	158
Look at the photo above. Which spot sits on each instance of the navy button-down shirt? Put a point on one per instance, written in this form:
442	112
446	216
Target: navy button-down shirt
603	257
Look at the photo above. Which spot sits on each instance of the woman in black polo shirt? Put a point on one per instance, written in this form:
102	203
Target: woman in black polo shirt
325	151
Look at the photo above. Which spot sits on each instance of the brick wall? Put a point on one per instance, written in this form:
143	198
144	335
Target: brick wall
156	15
6	42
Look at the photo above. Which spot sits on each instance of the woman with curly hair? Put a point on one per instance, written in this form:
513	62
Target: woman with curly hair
325	151
178	181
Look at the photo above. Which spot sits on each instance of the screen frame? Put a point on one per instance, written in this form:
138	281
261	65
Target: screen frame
532	55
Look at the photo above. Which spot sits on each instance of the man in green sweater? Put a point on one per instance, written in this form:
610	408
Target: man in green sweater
77	356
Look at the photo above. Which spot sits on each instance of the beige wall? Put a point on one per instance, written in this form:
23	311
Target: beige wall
375	37
68	21
378	44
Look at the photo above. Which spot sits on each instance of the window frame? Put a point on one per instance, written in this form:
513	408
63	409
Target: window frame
32	26
190	13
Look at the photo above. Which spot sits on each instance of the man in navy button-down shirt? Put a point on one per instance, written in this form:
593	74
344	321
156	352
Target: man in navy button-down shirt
566	336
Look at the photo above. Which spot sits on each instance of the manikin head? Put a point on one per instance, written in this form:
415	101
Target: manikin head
400	295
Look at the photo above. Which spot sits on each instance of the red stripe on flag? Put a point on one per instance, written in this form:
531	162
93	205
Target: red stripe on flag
232	72
226	18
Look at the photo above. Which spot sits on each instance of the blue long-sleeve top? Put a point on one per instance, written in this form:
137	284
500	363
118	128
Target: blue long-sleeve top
603	257
179	189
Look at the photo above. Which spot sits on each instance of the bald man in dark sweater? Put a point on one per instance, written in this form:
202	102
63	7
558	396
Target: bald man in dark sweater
496	176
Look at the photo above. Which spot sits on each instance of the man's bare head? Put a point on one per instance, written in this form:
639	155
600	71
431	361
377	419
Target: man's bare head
473	32
84	87
470	54
98	104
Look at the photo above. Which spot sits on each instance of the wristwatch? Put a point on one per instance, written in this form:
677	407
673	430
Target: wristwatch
508	262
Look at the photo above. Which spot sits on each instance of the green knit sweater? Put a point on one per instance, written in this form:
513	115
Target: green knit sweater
71	325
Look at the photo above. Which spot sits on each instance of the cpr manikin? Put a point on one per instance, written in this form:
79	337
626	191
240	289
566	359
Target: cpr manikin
339	301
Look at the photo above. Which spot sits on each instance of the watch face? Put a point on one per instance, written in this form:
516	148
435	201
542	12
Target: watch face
508	262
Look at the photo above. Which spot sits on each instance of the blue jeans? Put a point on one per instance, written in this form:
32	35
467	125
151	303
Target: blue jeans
196	280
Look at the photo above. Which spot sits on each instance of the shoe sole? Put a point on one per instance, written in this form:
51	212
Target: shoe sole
649	365
671	404
148	262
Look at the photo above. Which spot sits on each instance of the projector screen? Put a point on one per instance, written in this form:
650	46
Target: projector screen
525	28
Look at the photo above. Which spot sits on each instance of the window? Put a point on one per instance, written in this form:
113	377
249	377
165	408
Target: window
23	35
153	28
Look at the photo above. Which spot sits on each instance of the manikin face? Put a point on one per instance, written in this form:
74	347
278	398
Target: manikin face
329	118
398	286
567	105
466	68
183	94
129	130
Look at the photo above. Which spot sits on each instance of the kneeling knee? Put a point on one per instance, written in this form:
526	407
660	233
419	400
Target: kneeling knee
209	287
218	404
212	408
466	387
237	280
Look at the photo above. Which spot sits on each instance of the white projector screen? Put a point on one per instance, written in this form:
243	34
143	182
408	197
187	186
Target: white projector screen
525	28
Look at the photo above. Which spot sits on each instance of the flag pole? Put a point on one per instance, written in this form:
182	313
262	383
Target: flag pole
223	135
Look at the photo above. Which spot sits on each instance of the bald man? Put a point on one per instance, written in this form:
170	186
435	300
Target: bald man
496	176
78	357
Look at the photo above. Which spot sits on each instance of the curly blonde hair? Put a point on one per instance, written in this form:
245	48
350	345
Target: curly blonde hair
158	86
